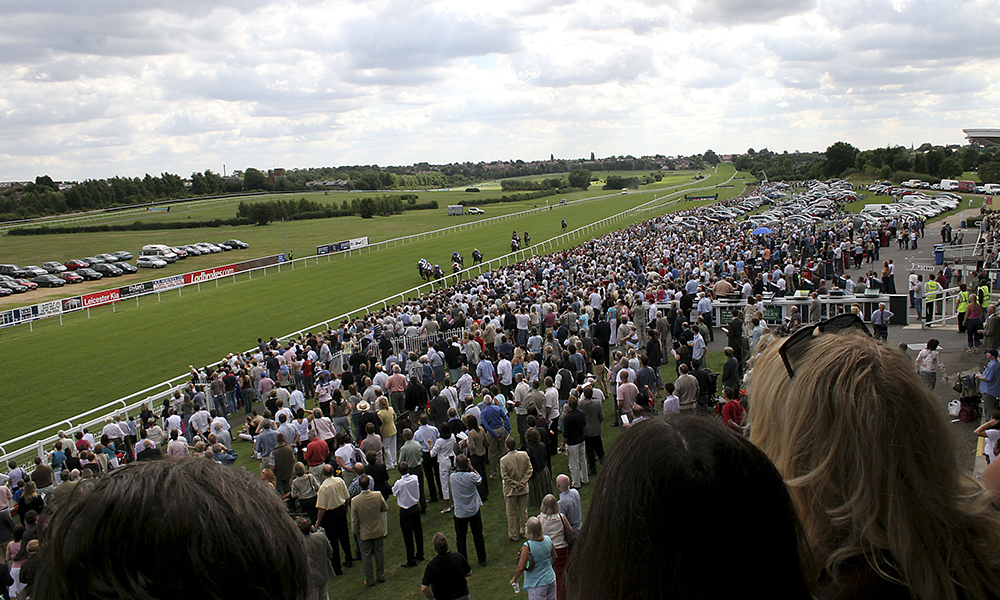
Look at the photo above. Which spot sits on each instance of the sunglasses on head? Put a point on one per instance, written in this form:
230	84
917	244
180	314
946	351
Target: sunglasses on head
837	324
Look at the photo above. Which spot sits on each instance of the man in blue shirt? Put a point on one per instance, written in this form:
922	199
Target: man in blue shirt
486	373
464	492
497	424
989	382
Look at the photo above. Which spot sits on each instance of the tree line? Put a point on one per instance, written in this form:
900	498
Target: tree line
892	163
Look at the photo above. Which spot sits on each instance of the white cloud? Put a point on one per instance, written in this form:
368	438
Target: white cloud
102	88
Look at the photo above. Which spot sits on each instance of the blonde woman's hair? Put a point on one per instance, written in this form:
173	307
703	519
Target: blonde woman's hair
550	506
533	530
869	457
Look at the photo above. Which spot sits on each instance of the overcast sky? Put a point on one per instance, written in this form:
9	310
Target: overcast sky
102	87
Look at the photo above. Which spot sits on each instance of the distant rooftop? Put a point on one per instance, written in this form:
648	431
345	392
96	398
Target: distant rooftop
986	137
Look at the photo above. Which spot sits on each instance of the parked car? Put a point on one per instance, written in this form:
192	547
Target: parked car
93	260
53	267
88	274
474	210
70	277
150	262
180	251
108	270
126	267
31	271
9	270
123	255
244	245
26	283
225	247
76	263
193	250
48	280
14	287
108	258
4	292
209	247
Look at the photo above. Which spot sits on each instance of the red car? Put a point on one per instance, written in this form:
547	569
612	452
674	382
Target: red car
28	284
70	277
75	264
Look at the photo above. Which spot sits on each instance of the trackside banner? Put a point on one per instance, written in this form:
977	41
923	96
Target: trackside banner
342	246
257	263
209	274
99	298
168	283
136	289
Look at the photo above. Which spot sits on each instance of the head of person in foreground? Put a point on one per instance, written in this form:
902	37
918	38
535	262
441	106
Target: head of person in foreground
173	529
871	462
672	493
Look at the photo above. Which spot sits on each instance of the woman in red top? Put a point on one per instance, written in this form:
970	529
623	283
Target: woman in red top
733	414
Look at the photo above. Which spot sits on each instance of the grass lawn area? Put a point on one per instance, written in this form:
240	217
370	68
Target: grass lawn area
115	353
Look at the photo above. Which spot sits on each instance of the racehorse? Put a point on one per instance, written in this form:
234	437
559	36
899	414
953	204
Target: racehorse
424	269
456	267
564	224
477	256
515	245
457	258
527	239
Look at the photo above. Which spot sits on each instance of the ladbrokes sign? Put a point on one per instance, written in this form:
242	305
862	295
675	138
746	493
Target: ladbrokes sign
209	274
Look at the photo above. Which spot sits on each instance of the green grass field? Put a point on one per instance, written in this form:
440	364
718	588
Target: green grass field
90	361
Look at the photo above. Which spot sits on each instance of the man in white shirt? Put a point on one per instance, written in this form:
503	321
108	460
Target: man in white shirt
532	368
705	309
505	374
698	346
407	493
464	385
671	403
521	406
200	421
296	400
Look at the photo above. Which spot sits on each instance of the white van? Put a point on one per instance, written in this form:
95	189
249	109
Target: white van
992	188
949	185
159	251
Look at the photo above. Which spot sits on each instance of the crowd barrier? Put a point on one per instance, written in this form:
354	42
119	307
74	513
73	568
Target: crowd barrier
154	395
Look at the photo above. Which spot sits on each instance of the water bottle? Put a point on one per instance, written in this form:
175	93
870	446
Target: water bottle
517	587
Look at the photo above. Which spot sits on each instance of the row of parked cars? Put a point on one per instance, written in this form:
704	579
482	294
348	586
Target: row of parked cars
17	280
160	255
